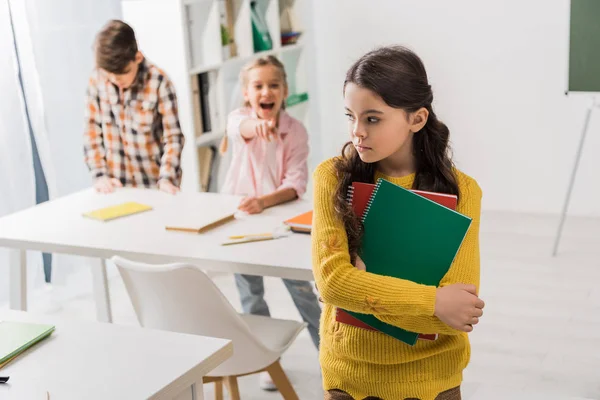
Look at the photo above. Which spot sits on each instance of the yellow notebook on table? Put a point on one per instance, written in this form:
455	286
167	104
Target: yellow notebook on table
16	337
117	211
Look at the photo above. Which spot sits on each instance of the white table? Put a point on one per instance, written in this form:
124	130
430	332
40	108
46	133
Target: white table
59	227
96	361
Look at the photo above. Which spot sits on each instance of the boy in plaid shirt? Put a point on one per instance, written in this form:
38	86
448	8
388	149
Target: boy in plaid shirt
132	136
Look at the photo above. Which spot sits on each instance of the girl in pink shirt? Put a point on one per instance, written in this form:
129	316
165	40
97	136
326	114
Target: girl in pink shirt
268	167
270	147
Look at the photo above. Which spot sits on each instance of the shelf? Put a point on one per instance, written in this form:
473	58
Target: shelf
293	106
206	68
207	139
189	2
235	60
291	47
296	98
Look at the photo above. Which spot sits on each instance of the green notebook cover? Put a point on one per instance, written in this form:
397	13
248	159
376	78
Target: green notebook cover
16	337
410	237
260	31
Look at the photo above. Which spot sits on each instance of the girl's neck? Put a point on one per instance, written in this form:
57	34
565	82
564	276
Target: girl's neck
398	164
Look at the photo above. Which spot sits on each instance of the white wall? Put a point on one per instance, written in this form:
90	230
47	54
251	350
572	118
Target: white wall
498	71
62	34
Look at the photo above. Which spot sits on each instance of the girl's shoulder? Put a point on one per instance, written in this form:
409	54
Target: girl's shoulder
326	170
467	185
242	111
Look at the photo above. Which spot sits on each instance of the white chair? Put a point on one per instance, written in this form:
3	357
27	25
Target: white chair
182	298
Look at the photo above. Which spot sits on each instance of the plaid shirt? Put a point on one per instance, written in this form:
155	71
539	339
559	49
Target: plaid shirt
135	138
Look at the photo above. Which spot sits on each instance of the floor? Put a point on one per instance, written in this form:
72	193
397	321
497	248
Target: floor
539	337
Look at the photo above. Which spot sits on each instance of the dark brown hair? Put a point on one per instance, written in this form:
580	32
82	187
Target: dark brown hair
115	47
398	76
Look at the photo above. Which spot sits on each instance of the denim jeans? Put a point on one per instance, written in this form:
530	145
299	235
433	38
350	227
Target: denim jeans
252	294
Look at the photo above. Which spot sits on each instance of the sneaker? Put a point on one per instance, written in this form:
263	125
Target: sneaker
266	383
46	300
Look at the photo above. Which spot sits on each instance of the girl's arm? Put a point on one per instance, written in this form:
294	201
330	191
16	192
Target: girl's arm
295	173
278	197
339	282
465	268
251	128
242	126
255	205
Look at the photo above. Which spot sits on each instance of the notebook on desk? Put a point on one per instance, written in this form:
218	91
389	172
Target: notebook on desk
16	337
117	211
301	223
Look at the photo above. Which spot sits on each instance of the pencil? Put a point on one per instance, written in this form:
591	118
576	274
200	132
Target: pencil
250	235
250	240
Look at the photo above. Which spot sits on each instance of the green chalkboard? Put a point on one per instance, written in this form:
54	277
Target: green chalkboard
584	46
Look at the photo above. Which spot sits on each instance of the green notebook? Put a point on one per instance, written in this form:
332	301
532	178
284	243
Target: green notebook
16	337
410	237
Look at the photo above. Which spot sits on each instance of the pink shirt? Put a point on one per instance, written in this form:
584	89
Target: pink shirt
259	167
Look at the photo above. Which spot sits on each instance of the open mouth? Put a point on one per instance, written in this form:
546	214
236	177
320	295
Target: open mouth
267	106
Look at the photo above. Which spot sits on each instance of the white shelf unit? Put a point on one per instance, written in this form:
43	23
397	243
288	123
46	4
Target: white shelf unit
183	37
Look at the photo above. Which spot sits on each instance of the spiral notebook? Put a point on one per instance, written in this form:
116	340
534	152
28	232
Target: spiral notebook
359	195
423	236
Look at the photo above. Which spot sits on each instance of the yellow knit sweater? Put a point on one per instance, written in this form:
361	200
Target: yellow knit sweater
368	363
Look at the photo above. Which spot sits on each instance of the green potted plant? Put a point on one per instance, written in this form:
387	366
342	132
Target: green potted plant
226	42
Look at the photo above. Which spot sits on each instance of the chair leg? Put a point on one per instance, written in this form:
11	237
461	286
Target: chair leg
232	387
219	390
281	381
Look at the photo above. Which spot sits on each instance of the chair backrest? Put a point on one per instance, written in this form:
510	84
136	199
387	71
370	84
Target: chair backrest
182	298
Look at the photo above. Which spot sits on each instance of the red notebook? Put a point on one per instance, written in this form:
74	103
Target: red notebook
359	194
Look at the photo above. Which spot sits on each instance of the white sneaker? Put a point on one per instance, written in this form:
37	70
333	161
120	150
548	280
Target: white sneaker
266	383
46	300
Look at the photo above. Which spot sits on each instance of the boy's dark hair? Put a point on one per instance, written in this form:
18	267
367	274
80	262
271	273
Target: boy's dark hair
115	47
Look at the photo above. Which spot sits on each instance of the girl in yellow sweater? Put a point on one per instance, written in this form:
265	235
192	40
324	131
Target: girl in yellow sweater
395	136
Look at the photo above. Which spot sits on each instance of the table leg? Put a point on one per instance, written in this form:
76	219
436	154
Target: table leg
197	391
18	279
194	392
101	293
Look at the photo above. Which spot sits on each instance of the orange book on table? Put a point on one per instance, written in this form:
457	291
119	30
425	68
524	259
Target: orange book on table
301	223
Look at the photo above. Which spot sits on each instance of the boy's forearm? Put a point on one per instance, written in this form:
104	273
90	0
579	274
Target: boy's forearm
170	163
94	153
279	197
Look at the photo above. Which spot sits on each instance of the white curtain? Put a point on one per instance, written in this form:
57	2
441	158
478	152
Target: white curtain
55	40
17	186
62	34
